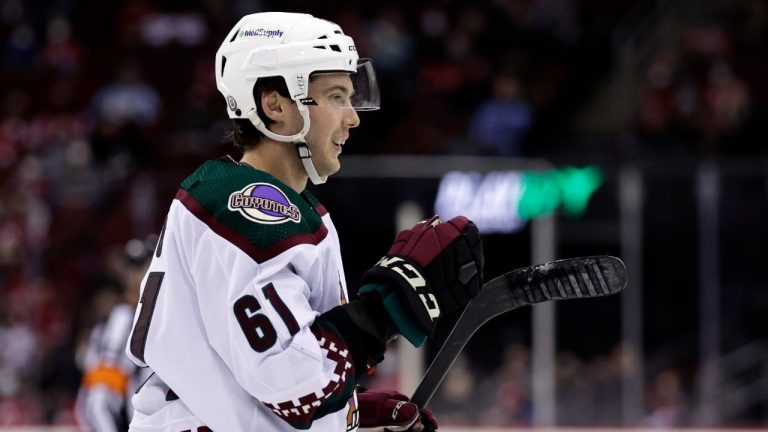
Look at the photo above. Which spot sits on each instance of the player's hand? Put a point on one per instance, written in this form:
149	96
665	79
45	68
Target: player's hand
435	267
391	411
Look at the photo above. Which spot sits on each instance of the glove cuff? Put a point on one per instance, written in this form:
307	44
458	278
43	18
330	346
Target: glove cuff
404	324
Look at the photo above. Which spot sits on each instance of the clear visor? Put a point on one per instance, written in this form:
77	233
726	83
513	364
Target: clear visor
367	96
363	97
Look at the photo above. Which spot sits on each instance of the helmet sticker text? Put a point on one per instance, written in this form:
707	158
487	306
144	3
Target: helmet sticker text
260	32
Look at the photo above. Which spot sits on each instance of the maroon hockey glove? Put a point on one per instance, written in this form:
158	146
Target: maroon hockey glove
392	411
434	268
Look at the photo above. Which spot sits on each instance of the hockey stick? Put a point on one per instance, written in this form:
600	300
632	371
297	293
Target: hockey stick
563	279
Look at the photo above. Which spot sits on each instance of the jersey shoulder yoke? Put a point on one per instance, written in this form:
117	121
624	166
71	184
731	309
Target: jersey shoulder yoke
252	209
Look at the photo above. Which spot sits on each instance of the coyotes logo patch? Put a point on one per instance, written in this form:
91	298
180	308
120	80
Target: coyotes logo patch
264	203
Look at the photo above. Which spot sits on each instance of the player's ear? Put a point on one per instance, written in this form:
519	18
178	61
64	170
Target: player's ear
274	105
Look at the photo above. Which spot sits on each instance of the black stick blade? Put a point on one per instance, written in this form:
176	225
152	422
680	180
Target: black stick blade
585	277
573	278
570	278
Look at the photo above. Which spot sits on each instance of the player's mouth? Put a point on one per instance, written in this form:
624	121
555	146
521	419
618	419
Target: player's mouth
338	143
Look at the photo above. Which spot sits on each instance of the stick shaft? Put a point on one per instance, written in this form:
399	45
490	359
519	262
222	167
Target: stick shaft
445	358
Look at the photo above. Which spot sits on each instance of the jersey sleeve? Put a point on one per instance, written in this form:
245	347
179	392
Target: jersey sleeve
291	358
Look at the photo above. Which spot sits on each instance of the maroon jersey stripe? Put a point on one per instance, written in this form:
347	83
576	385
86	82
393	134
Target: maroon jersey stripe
259	255
320	209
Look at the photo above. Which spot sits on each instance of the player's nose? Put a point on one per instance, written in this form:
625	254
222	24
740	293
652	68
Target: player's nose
351	119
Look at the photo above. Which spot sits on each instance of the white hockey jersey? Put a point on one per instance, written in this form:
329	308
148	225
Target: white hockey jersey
227	317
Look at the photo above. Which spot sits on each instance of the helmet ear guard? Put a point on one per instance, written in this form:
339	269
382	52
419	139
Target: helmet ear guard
253	116
292	46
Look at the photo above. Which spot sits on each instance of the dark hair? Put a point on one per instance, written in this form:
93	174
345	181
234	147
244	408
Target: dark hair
244	134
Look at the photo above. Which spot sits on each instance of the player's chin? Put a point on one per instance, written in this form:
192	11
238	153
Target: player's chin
331	167
336	163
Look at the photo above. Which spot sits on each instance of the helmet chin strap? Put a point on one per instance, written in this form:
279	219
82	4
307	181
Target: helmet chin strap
299	139
306	159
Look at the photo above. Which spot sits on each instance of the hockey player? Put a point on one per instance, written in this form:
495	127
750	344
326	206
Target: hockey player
109	376
244	317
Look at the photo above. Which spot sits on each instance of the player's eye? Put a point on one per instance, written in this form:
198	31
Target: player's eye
338	99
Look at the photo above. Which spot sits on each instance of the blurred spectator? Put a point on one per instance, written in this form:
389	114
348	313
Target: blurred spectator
605	380
727	104
127	100
61	53
187	29
501	122
574	391
659	105
195	133
20	49
18	358
458	399
558	17
122	113
509	389
76	185
666	401
390	44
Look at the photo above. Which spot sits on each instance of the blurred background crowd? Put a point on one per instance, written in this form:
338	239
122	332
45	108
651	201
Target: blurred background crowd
106	106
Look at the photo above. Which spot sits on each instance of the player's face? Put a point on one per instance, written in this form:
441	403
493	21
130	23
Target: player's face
330	120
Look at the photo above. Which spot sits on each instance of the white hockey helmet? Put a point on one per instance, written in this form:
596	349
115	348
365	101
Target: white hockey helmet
293	46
